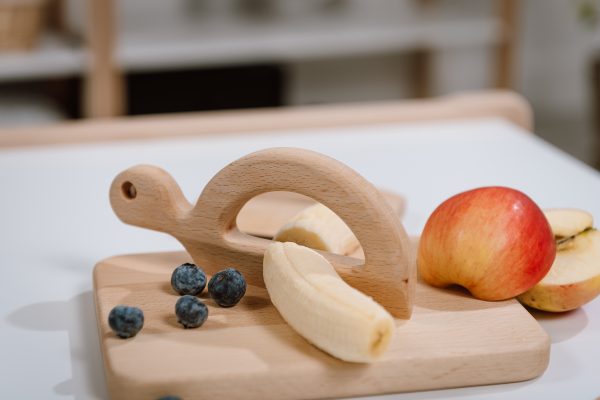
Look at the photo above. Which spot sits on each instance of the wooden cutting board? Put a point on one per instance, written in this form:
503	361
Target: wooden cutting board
248	351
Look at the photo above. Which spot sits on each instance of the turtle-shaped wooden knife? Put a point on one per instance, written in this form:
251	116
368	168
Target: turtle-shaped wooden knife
147	196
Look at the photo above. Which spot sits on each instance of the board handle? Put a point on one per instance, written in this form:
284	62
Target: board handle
148	197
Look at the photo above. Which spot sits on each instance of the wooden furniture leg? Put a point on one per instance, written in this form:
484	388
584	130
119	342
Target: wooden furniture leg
104	94
420	62
421	73
505	55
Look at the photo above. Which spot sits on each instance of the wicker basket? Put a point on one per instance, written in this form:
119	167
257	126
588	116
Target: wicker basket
20	23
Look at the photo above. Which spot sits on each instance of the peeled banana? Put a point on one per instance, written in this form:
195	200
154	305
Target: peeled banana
313	299
319	228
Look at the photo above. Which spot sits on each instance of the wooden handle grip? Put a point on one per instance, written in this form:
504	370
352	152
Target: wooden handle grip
209	234
148	197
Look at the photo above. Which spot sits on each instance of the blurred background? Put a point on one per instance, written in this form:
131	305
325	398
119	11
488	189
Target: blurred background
72	59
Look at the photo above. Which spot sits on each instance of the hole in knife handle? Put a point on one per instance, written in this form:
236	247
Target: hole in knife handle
129	190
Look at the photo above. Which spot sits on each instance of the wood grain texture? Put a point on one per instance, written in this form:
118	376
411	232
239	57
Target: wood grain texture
249	352
499	104
148	197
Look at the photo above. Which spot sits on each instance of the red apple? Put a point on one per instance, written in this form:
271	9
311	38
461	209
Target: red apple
494	241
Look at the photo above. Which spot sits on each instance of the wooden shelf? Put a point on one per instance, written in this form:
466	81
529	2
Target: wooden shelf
192	46
177	42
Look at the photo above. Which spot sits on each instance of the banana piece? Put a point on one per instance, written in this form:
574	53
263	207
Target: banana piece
313	299
319	228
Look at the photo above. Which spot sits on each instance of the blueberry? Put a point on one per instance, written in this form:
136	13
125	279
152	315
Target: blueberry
227	287
126	321
188	279
190	311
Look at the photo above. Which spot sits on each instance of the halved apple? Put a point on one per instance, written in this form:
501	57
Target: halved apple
574	278
567	222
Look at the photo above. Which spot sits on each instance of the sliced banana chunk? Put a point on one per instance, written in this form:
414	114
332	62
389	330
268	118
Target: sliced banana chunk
566	222
319	228
313	299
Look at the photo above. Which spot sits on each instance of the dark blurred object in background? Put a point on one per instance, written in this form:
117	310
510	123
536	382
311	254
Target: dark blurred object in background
205	89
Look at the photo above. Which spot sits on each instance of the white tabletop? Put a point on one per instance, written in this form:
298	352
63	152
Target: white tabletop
56	223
